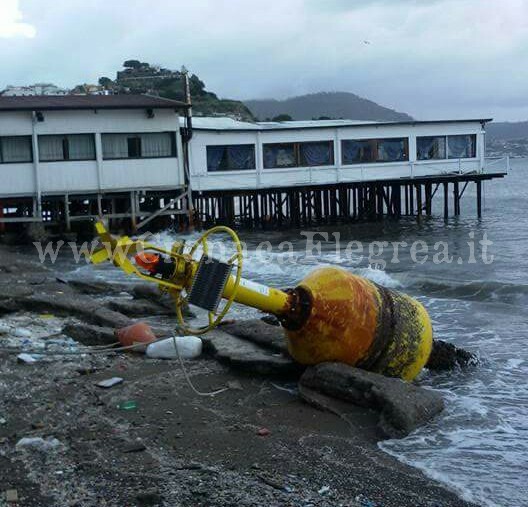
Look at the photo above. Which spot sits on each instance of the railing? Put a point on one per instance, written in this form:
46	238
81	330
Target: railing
497	164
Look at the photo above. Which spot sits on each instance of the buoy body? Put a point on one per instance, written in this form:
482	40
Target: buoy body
355	321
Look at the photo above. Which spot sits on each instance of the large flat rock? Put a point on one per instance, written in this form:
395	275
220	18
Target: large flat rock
403	406
257	331
249	357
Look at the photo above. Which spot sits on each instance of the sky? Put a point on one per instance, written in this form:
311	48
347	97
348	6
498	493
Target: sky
433	59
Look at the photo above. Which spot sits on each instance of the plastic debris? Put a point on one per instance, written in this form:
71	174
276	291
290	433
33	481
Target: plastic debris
127	405
140	332
11	495
38	443
189	347
109	382
324	490
26	358
263	432
46	316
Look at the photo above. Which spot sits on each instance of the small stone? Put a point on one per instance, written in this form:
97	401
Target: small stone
38	443
235	385
22	333
110	382
11	495
26	358
134	447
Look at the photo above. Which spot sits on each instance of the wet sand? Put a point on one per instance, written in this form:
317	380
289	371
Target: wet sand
178	448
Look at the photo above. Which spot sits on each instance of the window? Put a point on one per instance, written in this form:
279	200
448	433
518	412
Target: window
364	151
280	155
463	146
306	154
431	148
442	147
66	147
147	145
233	157
15	149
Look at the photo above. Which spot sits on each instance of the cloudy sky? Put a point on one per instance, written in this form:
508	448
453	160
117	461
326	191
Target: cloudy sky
429	58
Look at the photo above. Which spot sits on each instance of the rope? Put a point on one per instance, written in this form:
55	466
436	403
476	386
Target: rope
187	378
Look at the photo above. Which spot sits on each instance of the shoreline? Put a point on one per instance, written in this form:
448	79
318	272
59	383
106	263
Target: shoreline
177	448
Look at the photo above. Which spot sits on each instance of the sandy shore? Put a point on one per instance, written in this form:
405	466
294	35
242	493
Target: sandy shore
176	448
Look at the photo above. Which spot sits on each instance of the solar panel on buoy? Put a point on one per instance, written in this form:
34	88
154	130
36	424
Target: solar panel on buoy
209	283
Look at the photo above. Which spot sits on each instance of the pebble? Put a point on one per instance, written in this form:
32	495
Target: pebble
22	333
26	358
11	495
109	382
38	443
324	489
4	329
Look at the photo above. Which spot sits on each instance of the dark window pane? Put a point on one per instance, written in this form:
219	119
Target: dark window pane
159	144
231	157
279	155
431	148
241	156
358	151
134	147
463	146
316	153
392	150
51	148
16	149
80	147
115	146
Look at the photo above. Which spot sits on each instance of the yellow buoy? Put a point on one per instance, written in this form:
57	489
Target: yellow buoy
352	320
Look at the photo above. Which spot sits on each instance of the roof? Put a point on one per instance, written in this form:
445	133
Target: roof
69	102
220	124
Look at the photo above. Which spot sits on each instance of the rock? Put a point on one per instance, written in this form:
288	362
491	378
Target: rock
4	329
271	320
21	332
257	331
138	307
11	495
109	382
83	307
246	356
88	334
446	356
89	287
38	443
26	358
151	293
149	498
403	407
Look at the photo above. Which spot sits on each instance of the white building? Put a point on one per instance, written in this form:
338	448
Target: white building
36	89
123	153
228	154
88	145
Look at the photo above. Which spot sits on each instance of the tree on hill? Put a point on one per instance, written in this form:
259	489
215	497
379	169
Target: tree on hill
282	117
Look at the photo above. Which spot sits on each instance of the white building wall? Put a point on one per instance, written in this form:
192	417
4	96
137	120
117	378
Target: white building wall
40	178
282	177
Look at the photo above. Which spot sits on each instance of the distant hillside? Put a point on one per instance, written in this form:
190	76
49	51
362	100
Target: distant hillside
142	77
507	130
331	105
507	138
